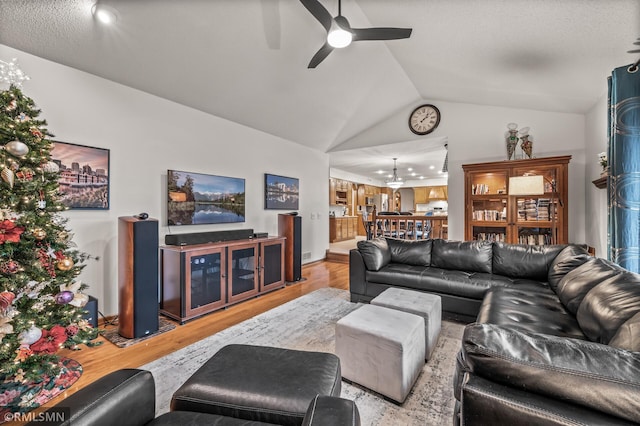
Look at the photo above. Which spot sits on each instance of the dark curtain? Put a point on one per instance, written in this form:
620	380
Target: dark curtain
624	167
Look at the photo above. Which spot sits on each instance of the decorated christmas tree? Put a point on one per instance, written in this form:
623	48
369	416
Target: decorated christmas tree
41	298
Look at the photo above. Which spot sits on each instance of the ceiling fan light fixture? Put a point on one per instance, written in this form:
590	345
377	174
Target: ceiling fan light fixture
339	38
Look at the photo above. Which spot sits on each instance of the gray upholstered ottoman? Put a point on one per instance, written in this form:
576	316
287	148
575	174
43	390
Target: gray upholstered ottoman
427	305
260	383
381	349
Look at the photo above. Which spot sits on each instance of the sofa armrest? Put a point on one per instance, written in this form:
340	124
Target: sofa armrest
331	411
357	269
590	374
123	397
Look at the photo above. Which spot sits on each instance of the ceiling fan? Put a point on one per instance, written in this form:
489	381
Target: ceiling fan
340	34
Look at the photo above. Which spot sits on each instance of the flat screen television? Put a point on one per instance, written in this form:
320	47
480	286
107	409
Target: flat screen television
198	198
281	192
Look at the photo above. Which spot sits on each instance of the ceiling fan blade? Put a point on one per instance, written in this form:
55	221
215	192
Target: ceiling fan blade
319	12
633	51
380	33
320	55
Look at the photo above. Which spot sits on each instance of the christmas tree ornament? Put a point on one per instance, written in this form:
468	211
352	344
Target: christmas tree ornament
42	204
50	167
36	132
10	232
22	117
39	234
17	148
63	236
64	264
64	297
30	335
79	300
25	175
8	176
9	267
12	105
13	165
6	298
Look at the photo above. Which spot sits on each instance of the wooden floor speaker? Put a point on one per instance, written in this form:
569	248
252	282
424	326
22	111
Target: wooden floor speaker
137	276
290	226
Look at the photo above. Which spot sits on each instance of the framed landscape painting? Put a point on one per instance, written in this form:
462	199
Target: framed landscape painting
281	192
84	175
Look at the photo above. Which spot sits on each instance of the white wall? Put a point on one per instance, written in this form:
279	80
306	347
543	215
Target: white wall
596	199
147	135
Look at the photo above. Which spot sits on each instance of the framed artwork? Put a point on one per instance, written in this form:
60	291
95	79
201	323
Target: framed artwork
84	175
199	198
281	192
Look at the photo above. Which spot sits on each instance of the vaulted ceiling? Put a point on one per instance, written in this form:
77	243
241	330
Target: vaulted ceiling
246	60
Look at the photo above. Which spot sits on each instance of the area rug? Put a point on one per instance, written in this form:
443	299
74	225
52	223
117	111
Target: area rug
308	323
122	342
19	397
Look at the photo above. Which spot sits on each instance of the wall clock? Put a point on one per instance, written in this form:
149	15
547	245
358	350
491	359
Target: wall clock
424	119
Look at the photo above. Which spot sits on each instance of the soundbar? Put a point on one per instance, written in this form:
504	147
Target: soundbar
207	237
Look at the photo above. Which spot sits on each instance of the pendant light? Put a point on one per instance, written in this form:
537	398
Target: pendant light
395	182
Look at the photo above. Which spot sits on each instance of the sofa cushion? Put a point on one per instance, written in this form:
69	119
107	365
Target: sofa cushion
628	335
528	308
375	253
566	261
609	305
472	256
576	284
410	252
523	261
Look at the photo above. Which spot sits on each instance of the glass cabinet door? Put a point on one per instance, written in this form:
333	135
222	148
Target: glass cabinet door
487	205
205	284
243	268
536	216
271	268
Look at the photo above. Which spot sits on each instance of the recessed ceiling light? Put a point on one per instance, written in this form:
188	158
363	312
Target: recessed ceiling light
410	169
389	176
421	177
413	174
105	14
439	172
380	172
432	167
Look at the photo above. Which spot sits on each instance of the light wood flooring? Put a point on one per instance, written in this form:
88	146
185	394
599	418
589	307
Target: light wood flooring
101	360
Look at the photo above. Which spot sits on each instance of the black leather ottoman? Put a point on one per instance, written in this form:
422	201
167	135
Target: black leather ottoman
260	383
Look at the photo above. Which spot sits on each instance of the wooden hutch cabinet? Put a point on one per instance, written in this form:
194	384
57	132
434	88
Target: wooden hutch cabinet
202	278
492	213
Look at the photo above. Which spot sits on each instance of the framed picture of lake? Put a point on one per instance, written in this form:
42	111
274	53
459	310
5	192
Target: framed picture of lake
198	198
281	192
84	175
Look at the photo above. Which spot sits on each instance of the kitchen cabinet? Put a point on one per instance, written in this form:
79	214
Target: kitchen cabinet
342	228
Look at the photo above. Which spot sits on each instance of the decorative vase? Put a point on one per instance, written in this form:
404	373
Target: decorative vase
512	140
527	146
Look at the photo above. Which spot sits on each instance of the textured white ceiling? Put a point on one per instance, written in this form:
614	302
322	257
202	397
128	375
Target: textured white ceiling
246	60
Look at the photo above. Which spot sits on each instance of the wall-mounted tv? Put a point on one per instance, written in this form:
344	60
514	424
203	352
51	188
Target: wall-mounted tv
197	198
280	192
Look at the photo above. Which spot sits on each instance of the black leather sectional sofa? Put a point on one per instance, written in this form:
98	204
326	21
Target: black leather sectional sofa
555	333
